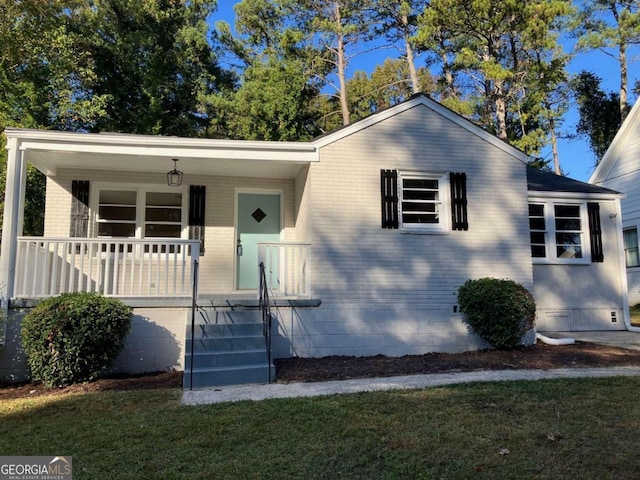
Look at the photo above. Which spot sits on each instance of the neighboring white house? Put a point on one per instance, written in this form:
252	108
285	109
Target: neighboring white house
367	234
619	169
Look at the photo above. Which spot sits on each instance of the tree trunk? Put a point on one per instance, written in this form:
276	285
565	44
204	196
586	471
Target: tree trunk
342	69
342	77
450	89
501	111
622	57
413	72
623	81
554	139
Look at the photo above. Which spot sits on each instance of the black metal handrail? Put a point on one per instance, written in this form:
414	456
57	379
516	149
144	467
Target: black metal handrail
265	308
194	306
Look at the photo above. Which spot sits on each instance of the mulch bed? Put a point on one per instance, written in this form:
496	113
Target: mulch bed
539	356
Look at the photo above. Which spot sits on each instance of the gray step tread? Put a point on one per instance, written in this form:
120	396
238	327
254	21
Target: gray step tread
225	344
227	318
249	338
224	324
226	337
231	352
227	369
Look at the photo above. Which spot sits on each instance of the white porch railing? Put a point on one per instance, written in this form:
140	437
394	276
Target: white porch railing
287	268
47	267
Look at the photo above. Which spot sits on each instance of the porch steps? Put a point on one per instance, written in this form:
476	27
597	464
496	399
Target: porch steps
228	349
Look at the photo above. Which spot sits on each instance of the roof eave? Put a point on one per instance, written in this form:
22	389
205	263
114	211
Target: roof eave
69	139
575	195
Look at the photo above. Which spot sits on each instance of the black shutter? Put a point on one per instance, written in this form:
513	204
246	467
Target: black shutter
458	183
389	193
197	195
595	232
79	209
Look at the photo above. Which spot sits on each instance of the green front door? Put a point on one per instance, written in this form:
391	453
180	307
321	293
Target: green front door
258	220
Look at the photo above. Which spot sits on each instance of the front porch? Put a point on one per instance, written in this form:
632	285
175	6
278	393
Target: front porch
159	279
114	225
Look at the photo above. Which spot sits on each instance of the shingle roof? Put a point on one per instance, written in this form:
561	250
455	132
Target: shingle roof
540	181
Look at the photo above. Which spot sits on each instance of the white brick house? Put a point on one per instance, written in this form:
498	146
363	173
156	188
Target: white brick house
367	233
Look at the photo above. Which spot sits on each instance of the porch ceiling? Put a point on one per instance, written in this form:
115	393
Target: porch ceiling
50	151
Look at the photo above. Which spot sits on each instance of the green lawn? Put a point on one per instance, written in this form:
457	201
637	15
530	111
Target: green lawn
635	315
586	429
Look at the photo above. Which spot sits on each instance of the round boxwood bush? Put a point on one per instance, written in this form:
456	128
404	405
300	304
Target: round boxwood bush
74	337
499	311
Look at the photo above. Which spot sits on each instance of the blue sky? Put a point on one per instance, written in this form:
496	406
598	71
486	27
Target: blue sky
575	157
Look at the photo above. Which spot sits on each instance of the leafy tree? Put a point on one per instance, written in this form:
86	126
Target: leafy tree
548	95
493	45
397	21
138	67
274	102
389	84
275	96
337	28
599	112
610	24
44	80
554	103
44	73
153	61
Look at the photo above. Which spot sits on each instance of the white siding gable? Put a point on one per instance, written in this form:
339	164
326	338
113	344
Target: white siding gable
620	170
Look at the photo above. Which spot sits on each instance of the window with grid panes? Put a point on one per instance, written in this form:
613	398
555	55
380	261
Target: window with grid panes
140	213
631	247
423	201
558	232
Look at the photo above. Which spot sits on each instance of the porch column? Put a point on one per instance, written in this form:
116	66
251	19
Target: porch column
13	218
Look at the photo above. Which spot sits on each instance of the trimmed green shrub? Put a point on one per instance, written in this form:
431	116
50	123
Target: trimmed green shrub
74	337
499	311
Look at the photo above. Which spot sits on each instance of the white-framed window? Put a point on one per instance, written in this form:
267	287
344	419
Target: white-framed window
117	213
163	214
140	212
424	200
559	232
631	253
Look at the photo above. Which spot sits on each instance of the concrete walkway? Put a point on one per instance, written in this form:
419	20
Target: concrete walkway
617	338
235	393
294	390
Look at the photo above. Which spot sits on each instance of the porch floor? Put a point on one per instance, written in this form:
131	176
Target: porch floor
251	300
230	300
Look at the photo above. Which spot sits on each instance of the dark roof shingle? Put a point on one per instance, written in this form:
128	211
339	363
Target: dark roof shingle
540	181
